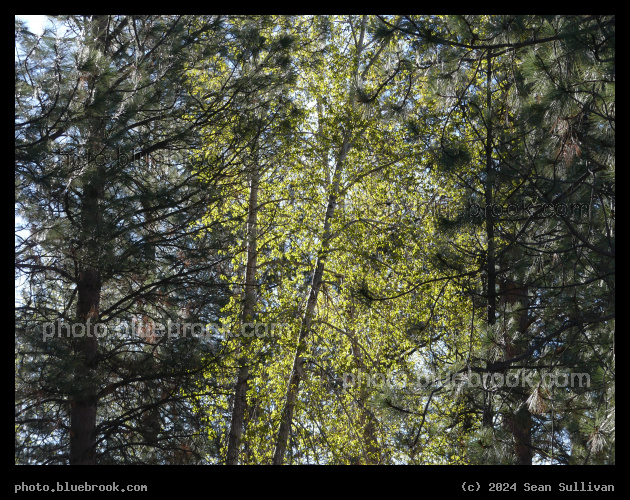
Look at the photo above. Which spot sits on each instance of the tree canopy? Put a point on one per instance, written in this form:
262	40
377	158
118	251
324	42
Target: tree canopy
315	240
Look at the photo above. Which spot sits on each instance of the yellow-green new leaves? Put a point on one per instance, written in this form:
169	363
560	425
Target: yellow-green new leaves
345	237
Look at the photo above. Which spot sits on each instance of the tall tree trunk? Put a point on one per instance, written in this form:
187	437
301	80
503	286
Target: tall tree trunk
286	418
84	401
249	302
307	319
518	424
489	217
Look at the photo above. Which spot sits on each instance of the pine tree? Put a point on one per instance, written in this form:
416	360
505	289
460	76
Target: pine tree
104	182
519	110
417	199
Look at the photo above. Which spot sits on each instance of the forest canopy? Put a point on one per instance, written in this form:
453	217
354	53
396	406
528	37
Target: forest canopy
315	240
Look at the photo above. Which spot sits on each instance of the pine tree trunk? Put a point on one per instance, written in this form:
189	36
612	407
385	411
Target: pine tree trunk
83	405
489	217
520	423
84	401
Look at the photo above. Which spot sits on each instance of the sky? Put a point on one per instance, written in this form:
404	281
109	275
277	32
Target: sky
35	23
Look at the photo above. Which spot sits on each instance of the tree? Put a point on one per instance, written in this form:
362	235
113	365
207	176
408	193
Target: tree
103	119
418	211
500	120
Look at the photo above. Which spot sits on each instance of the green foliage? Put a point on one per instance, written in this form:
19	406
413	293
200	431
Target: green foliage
429	201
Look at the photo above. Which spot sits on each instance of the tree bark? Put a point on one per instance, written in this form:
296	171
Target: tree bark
518	424
249	302
84	398
84	401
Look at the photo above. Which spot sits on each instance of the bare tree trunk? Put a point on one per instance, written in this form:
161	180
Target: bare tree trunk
240	396
286	418
520	424
84	400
